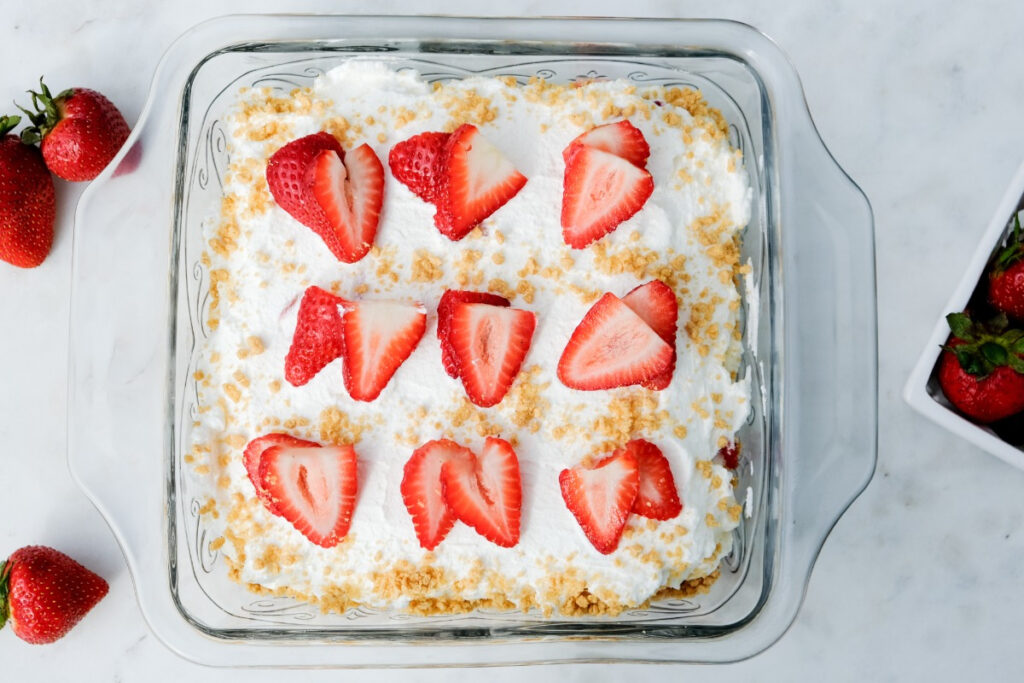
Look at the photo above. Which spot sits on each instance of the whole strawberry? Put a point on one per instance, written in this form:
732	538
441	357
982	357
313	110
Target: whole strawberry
28	205
79	131
44	593
1006	278
981	370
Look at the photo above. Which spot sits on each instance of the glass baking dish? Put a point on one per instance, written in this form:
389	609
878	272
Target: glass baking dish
140	291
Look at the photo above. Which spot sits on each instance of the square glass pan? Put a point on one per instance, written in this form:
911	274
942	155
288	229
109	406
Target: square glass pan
140	291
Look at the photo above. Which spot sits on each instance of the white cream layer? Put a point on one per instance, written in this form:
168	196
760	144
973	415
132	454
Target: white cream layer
277	258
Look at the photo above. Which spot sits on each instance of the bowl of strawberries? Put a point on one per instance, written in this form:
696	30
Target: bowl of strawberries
970	377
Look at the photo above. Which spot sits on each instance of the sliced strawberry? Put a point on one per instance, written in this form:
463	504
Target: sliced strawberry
351	193
730	453
445	307
476	180
621	138
379	336
656	495
601	497
485	491
314	488
421	490
612	347
656	304
490	343
600	191
416	163
318	336
253	456
289	181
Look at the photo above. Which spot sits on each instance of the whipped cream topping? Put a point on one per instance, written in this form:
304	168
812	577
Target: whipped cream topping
261	260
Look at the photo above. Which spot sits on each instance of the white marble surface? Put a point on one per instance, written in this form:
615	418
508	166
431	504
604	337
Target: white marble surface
922	103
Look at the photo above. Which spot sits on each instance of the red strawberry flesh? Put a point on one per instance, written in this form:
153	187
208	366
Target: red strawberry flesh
600	191
490	344
445	307
485	491
379	336
601	497
288	178
318	337
422	490
416	163
476	180
44	593
351	194
656	497
621	138
253	456
313	488
612	347
730	455
656	304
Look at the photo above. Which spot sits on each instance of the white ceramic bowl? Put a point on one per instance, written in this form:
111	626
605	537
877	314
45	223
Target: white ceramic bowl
922	391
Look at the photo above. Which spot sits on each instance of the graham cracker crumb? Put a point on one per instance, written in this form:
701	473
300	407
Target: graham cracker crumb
527	290
232	392
253	347
384	257
468	415
735	511
643	263
466	269
502	288
630	414
525	403
426	267
465	106
336	427
705	468
587	296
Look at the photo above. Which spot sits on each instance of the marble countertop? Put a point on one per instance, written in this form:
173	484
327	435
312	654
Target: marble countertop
921	102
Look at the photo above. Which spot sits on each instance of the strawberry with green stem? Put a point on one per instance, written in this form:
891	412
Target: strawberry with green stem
28	204
79	131
981	370
1006	278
